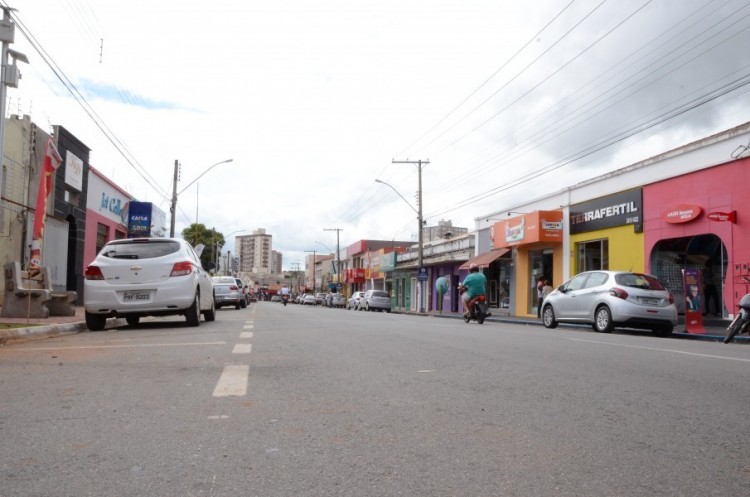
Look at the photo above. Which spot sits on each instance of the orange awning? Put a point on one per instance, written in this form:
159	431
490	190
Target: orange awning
484	260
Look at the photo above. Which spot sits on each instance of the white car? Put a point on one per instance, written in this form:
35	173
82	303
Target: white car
138	277
355	301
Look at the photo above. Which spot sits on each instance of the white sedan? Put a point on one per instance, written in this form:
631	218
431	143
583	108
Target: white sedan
138	277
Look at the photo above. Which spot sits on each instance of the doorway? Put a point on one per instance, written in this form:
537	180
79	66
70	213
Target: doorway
540	266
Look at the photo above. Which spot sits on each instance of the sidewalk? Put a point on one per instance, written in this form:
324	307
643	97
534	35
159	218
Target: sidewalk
48	327
59	325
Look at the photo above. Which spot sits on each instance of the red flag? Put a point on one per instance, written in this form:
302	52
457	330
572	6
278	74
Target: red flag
52	161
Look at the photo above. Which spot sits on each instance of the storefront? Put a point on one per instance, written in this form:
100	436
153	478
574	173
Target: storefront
106	214
496	266
699	222
536	243
607	233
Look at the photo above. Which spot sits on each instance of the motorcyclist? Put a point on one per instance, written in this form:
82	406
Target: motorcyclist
474	285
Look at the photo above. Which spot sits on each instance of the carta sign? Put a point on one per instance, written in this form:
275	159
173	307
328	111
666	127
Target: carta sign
139	219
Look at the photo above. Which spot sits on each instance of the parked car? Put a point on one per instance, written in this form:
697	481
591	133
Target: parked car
354	300
138	277
243	292
320	298
606	299
376	300
337	300
227	292
308	299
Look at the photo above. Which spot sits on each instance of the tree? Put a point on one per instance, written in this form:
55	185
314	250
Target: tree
213	241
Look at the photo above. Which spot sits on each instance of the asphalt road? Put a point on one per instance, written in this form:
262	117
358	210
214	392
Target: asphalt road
303	401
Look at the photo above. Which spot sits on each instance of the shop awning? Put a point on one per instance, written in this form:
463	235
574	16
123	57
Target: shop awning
484	260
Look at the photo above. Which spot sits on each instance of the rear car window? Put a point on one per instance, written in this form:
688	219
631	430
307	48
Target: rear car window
140	250
636	280
379	294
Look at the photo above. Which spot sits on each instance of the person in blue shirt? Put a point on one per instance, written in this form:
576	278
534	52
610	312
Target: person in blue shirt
474	285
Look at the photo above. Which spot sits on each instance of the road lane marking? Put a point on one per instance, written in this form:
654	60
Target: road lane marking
242	348
246	334
233	381
248	327
128	346
674	351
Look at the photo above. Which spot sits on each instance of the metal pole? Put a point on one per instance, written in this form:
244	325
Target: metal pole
173	206
421	245
3	94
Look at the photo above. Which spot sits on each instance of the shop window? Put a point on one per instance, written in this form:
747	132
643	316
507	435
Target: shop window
102	232
593	255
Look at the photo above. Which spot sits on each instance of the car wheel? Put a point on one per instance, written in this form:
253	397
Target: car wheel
388	311
95	322
193	314
664	331
603	320
243	304
237	306
210	315
132	320
367	307
548	317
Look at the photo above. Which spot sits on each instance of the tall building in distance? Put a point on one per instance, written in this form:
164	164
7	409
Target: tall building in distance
442	231
255	252
276	260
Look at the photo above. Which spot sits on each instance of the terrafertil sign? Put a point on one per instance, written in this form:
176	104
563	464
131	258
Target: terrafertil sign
611	211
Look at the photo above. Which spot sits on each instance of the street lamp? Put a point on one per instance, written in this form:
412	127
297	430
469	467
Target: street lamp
420	255
175	193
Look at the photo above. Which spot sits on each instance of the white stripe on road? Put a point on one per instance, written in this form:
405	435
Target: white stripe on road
248	327
242	348
710	356
128	346
233	381
246	334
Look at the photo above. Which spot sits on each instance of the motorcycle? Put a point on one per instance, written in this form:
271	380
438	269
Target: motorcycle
741	321
479	308
284	299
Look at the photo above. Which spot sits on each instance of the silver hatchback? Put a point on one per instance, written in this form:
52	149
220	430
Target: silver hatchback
605	299
376	300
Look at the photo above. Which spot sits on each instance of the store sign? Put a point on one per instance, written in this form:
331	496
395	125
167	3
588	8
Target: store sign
139	219
615	210
683	213
73	171
723	216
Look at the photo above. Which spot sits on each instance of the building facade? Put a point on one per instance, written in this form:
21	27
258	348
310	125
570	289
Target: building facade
255	252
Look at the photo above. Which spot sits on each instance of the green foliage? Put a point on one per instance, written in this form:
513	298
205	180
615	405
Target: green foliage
213	241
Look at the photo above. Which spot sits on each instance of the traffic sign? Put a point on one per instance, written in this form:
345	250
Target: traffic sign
422	274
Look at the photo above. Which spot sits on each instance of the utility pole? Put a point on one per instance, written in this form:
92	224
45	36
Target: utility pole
338	256
173	205
421	272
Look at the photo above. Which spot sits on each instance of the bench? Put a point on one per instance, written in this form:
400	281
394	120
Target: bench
33	296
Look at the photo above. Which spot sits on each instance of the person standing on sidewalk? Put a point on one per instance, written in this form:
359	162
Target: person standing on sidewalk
710	294
539	296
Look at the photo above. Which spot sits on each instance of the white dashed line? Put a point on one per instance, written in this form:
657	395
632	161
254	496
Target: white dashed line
246	334
242	348
233	381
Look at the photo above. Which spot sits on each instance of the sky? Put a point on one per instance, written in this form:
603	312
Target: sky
502	100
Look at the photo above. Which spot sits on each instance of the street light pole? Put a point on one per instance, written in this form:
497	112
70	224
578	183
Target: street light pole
175	193
313	269
339	279
420	272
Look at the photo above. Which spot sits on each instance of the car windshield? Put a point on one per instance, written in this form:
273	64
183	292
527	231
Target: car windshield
140	250
636	280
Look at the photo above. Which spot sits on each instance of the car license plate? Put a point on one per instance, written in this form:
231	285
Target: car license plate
649	301
136	296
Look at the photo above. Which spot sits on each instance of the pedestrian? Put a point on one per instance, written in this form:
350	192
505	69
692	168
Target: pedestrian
546	289
710	294
539	296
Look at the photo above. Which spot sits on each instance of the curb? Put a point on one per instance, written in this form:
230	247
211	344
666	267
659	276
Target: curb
51	330
511	320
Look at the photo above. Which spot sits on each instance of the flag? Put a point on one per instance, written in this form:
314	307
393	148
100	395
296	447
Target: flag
52	161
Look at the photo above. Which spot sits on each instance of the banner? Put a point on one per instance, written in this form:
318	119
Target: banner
52	161
691	282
